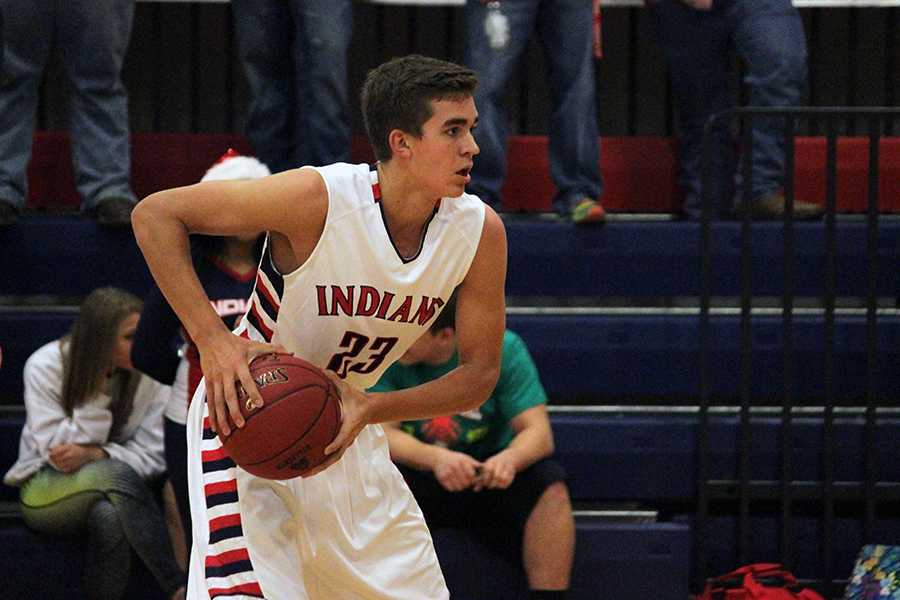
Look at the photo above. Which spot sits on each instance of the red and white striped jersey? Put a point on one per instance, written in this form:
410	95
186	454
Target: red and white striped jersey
356	304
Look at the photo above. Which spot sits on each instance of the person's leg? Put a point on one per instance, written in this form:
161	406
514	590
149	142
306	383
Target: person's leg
93	38
54	502
107	555
494	67
565	30
322	127
548	542
264	32
770	40
27	34
696	51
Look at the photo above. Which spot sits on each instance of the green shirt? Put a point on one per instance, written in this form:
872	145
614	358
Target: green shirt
485	431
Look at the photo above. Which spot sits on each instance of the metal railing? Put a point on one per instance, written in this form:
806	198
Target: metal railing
740	495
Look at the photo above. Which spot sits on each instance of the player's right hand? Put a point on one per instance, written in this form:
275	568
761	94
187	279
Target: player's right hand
456	471
225	360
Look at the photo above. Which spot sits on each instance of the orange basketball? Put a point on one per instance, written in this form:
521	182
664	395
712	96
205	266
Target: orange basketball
300	416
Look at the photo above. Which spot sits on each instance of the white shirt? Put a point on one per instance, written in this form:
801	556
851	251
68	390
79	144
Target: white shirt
139	443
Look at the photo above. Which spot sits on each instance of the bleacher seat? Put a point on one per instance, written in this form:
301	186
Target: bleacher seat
613	358
39	567
70	256
639	172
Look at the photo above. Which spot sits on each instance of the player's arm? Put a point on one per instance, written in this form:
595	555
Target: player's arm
480	323
162	222
533	441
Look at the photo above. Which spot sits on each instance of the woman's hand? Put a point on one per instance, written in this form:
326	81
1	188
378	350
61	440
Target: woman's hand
68	458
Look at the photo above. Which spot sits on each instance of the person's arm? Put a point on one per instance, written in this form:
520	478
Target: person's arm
455	471
533	441
48	423
152	352
162	222
480	322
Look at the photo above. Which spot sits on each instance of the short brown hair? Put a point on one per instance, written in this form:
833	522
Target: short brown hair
398	95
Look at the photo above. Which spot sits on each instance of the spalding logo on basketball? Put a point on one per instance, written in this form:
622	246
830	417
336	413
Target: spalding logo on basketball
300	416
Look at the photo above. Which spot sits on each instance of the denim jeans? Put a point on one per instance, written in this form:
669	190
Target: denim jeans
768	37
109	502
92	36
294	55
564	29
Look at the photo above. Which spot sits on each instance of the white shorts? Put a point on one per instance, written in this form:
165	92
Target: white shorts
352	532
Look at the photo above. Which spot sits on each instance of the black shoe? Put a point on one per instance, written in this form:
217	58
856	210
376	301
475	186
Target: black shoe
8	213
772	208
115	212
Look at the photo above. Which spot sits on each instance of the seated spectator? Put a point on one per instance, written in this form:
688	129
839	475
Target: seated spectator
696	37
489	467
91	452
497	34
226	267
92	38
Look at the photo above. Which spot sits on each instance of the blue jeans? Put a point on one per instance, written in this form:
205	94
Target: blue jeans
768	36
564	28
92	36
115	508
294	55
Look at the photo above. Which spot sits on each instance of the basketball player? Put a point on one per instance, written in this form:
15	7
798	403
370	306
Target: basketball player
358	263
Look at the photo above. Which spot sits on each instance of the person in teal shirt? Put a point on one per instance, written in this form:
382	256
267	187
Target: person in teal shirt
490	466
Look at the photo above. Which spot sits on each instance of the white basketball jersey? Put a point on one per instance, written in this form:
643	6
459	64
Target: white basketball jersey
355	306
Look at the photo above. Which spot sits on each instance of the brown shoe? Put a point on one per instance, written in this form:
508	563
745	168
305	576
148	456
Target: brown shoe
772	207
115	212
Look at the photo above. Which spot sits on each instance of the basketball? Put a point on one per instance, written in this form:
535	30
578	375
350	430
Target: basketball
300	416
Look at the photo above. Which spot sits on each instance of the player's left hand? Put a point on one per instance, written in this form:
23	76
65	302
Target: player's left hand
497	473
354	412
68	458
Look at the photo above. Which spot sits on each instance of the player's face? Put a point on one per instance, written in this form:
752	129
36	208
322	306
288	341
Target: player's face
124	339
445	152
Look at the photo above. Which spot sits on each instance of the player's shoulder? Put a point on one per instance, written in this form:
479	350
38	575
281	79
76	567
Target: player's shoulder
343	172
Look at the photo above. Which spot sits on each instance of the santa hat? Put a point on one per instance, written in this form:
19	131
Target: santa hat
232	165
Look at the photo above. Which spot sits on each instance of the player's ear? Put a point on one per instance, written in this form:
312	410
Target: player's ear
398	141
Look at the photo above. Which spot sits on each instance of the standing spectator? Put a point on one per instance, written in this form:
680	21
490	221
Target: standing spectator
226	267
696	37
496	36
294	54
92	36
490	466
92	447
